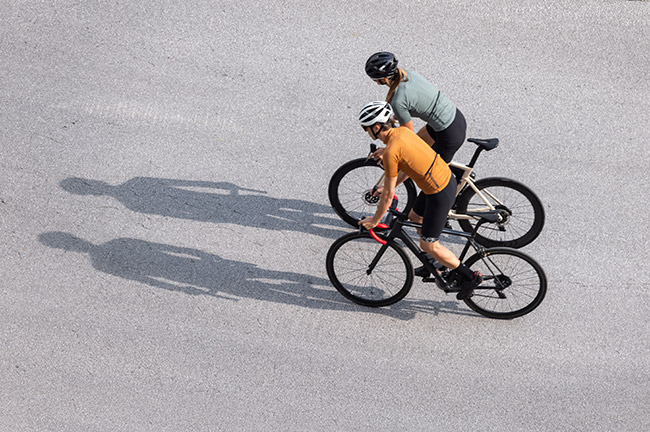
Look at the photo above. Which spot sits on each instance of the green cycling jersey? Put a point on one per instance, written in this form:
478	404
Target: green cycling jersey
417	97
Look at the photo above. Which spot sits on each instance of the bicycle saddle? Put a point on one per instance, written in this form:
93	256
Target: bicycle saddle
485	144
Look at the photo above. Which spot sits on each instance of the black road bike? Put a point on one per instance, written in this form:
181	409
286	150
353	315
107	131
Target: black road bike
372	269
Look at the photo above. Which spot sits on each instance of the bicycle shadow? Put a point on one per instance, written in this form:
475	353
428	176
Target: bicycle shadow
208	201
434	308
194	272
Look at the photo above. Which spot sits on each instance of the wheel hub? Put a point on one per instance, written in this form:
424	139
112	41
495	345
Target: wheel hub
502	282
369	198
505	215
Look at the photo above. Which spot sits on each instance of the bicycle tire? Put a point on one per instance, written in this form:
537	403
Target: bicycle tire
522	209
514	283
347	263
350	189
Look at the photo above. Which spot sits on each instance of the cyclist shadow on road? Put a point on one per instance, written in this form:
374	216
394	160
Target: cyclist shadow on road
208	201
195	272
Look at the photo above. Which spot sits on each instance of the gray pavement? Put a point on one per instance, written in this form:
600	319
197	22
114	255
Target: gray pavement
165	218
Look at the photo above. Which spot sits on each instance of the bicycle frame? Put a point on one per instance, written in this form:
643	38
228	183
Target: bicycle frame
397	232
466	180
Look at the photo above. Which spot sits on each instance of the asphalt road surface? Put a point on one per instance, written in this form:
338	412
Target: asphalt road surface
164	216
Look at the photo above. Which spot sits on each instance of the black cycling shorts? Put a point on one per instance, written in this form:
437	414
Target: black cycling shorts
434	209
448	141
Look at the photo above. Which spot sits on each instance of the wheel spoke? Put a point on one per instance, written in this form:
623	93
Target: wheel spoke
521	211
515	284
348	264
350	186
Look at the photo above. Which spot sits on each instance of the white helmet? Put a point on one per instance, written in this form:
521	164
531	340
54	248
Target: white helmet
375	112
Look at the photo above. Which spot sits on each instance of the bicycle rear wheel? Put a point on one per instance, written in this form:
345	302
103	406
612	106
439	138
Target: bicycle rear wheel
350	190
513	283
348	262
521	210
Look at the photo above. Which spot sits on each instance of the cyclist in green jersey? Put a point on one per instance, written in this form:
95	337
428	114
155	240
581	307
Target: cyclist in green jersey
411	95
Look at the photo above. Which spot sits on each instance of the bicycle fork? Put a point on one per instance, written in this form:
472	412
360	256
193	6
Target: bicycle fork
375	261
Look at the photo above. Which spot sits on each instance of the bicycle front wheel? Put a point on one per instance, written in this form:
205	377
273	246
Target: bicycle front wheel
513	283
350	190
521	211
349	269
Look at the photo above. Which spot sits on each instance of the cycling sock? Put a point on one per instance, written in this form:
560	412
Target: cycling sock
465	272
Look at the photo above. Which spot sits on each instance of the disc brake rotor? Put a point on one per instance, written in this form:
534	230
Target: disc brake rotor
369	198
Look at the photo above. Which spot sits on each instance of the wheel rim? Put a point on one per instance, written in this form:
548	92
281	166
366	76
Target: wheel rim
516	210
350	268
512	285
355	192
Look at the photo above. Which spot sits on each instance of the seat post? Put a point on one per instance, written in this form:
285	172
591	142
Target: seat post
475	157
483	144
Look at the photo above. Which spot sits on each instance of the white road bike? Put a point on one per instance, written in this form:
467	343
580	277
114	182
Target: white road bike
353	195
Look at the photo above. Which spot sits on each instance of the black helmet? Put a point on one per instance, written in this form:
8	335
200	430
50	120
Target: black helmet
381	65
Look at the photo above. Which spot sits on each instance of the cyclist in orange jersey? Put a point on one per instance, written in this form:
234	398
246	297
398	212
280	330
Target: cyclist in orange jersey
407	155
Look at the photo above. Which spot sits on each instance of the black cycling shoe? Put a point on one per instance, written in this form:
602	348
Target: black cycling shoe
467	287
422	272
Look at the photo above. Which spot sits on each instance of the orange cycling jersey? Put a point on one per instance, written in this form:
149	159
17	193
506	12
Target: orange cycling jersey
407	152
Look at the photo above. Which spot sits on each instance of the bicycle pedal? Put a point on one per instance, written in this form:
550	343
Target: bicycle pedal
429	279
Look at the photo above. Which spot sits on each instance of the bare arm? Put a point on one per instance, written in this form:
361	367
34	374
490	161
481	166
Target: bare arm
401	177
408	125
384	203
